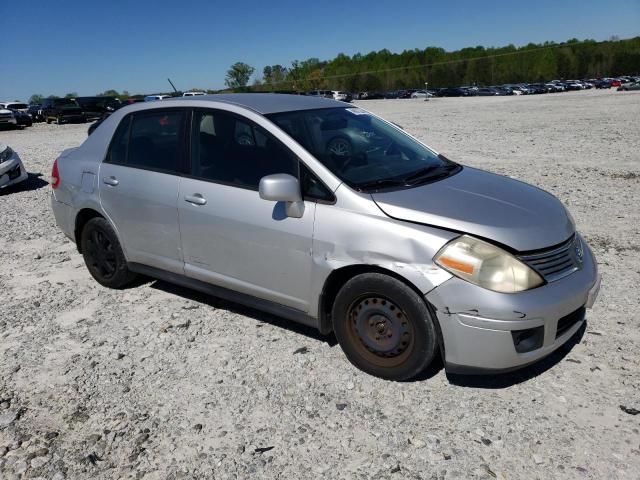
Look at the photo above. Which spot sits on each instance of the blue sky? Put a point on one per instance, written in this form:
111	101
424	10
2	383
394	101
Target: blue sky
88	46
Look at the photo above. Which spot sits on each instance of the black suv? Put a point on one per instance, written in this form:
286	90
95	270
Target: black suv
62	110
96	107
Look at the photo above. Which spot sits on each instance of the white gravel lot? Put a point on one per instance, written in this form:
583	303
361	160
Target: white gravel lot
160	382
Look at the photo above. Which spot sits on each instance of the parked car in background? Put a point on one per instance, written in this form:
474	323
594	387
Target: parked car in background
129	101
35	110
62	110
369	96
421	94
602	84
23	119
488	92
7	118
321	93
20	113
454	92
96	107
151	98
12	170
615	82
342	96
193	94
402	253
22	107
625	87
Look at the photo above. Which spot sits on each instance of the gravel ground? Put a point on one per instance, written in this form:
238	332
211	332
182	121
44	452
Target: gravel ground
160	382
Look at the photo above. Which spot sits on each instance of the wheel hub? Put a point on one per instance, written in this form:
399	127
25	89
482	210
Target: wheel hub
381	326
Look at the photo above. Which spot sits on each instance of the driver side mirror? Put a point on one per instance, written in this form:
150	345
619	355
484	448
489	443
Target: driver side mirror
282	187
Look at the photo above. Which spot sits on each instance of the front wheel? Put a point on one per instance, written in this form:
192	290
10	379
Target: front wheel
103	255
384	327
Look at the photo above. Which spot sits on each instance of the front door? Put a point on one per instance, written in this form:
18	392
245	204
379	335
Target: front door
230	236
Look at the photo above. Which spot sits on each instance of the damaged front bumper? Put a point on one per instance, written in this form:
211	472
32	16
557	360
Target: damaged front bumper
490	332
12	171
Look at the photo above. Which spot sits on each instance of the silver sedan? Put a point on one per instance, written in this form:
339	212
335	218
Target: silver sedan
401	252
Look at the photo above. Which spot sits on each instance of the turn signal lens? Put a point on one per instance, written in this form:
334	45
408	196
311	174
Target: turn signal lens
486	265
456	265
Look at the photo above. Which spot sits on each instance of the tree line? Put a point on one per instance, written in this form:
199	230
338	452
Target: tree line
384	70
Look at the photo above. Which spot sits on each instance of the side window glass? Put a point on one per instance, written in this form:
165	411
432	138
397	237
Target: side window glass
312	188
118	148
234	151
155	140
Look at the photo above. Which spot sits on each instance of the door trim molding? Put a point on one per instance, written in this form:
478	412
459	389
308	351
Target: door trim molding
226	294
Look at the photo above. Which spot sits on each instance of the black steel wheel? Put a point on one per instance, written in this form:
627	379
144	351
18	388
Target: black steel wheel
103	255
384	327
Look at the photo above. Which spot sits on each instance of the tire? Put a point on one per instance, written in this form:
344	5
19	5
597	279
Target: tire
58	120
103	255
384	327
48	120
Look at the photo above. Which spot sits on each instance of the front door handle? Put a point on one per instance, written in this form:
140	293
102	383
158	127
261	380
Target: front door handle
113	181
196	199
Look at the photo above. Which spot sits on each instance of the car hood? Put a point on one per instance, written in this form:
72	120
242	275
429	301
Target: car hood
484	204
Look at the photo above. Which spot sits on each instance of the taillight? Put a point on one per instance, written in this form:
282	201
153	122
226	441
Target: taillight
55	175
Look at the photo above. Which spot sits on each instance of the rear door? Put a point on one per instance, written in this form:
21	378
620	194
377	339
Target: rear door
139	183
230	236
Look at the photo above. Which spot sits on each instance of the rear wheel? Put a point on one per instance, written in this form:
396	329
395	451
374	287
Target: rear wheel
103	255
384	327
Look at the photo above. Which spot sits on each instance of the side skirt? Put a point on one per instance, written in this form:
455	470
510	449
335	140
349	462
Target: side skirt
226	294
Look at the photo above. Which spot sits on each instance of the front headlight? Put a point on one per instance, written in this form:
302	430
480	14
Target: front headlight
486	265
6	154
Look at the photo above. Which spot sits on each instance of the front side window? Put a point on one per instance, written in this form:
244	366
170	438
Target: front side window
362	150
155	140
232	150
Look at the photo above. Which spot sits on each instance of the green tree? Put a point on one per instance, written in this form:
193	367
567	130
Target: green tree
238	75
36	98
71	95
109	93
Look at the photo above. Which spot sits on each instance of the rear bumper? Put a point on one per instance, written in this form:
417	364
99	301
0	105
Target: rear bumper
64	216
478	325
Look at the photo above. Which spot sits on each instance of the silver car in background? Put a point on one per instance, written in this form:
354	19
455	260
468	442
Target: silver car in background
12	170
401	252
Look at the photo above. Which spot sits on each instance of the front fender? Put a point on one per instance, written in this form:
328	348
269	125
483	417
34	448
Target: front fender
344	237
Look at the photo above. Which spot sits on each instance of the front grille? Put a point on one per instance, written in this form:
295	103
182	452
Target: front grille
557	262
568	321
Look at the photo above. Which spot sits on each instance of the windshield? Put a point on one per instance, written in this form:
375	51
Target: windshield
17	106
364	151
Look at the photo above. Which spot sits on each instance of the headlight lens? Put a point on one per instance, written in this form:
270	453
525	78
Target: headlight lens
6	154
486	265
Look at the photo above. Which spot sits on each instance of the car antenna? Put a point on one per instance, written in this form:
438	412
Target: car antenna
174	87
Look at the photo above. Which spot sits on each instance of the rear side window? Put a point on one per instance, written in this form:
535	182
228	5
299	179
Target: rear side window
232	150
150	141
119	143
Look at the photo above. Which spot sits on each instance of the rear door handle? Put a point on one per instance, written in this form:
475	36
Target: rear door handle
196	199
113	181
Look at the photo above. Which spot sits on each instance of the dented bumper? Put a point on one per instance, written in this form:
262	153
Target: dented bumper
487	332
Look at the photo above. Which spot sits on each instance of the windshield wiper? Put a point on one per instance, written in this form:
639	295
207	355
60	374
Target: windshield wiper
382	183
427	173
419	175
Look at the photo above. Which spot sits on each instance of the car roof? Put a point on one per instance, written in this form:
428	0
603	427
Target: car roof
266	103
